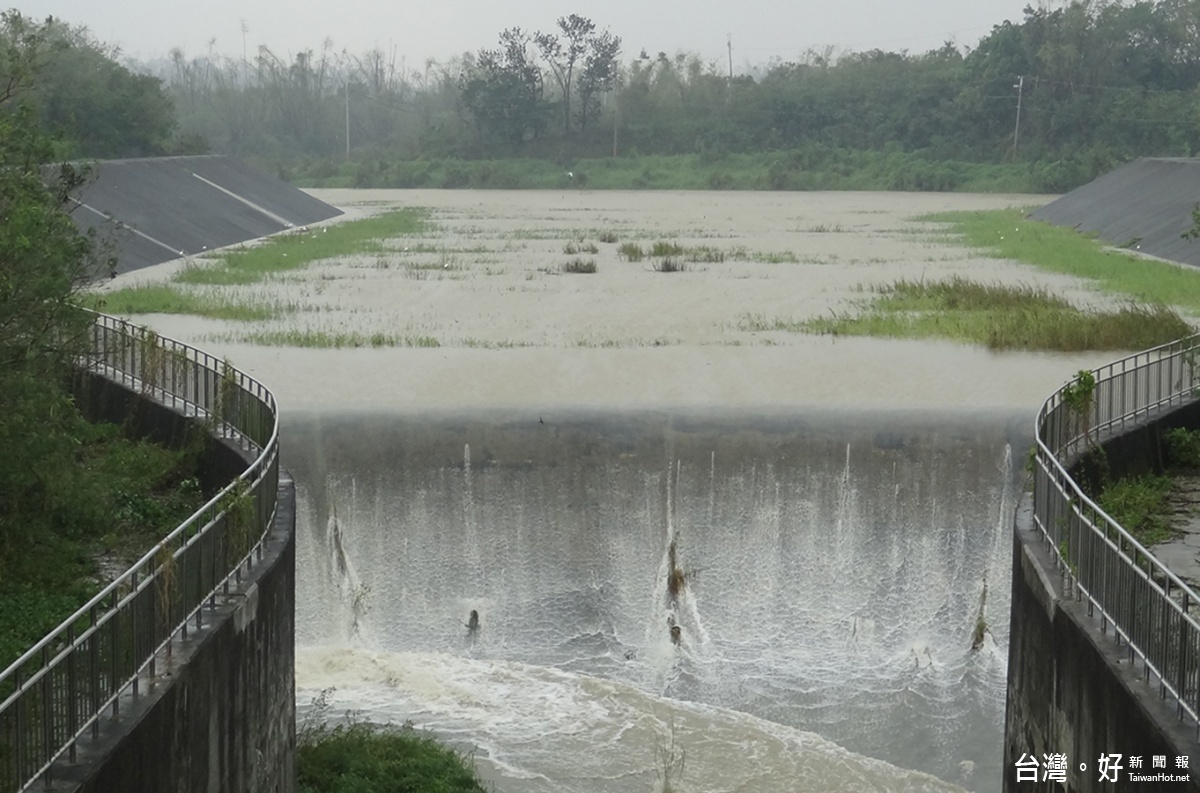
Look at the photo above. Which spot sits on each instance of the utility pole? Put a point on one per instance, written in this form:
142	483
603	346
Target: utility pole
347	121
616	119
729	46
1020	86
245	63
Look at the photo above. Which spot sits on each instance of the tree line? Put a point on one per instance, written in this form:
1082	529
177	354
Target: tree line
1080	86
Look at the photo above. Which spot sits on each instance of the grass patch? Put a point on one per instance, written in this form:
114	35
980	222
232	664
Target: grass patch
1008	234
997	316
333	340
631	251
661	248
166	299
1140	506
364	759
741	253
607	236
670	265
572	248
297	249
579	266
704	254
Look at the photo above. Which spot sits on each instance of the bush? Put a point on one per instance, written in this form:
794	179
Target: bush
364	759
666	249
579	266
1183	448
631	251
671	265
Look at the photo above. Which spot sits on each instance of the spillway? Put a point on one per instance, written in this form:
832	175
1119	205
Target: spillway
827	574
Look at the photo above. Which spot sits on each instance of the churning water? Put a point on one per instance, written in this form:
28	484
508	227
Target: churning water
826	574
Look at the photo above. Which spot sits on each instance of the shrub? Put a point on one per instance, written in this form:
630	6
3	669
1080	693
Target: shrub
579	266
373	760
1183	448
631	251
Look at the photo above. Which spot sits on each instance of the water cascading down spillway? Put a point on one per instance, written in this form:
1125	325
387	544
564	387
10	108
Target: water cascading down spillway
602	602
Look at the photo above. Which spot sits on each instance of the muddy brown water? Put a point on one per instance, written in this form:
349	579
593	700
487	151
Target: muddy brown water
841	501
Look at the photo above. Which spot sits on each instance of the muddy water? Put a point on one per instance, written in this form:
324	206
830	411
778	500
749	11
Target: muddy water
826	642
485	285
831	569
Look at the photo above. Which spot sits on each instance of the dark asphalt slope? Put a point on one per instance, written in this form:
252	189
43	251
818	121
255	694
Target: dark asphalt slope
1145	205
167	207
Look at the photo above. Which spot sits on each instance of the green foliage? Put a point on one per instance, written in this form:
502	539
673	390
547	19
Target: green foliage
1182	448
92	105
291	251
334	340
364	759
1079	393
662	248
578	265
1193	233
1113	81
1008	234
1000	317
830	169
167	299
631	251
254	264
43	262
503	92
112	496
68	489
1139	505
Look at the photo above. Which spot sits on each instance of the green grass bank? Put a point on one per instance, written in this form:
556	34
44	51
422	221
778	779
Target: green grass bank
1024	317
813	167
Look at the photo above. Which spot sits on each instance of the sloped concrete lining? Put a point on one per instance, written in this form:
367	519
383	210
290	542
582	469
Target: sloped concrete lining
161	208
1145	206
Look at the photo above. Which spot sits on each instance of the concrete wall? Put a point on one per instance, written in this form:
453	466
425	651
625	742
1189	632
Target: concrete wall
219	716
1071	688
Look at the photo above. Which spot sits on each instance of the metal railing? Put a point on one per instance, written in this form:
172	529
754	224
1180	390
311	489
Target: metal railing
69	682
1148	608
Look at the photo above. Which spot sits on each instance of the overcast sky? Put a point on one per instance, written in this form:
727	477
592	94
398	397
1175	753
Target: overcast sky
415	30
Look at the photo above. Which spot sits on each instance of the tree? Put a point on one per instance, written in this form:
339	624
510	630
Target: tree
503	91
579	45
84	98
43	262
599	74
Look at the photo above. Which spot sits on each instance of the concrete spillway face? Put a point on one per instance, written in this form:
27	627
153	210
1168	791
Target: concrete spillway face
823	576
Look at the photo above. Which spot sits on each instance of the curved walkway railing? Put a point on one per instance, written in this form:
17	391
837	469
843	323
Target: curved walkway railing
67	683
1149	609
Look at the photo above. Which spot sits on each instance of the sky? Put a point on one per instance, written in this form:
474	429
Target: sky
413	31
